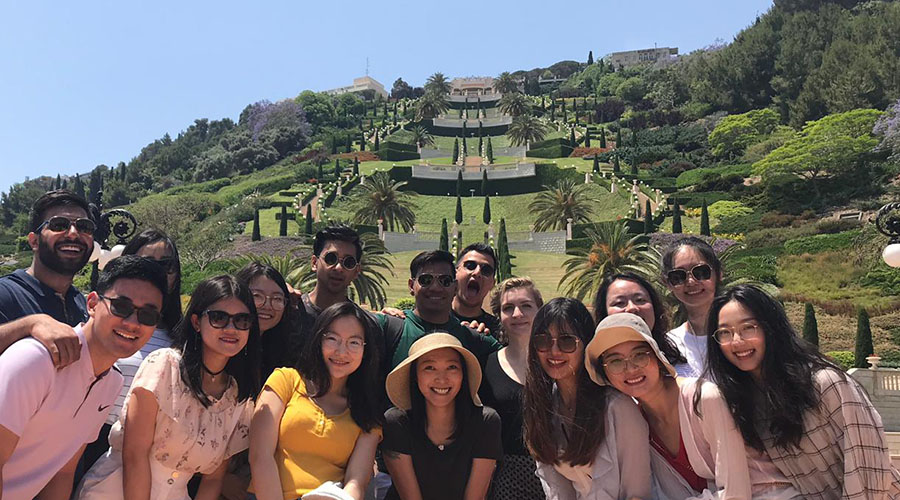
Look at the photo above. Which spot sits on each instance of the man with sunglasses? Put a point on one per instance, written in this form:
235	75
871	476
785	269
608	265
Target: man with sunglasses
336	260
48	416
475	269
61	239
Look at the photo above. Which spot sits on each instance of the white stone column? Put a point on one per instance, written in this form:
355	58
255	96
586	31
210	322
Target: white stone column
454	231
491	230
612	185
340	189
587	177
569	229
381	229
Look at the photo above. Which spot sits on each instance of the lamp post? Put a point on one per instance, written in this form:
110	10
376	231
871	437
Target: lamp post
116	222
888	223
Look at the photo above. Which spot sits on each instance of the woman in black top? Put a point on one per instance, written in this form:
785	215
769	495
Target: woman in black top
440	443
515	301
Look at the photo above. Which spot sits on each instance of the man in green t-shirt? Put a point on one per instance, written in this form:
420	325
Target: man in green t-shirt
433	285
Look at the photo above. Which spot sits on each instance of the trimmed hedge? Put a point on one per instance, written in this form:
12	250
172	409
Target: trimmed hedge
551	148
695	200
396	151
820	243
698	175
844	359
545	174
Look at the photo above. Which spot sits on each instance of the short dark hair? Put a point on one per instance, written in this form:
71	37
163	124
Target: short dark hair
429	257
480	248
338	233
55	198
172	311
133	267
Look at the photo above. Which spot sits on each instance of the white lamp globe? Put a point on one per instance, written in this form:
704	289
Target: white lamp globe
95	254
891	255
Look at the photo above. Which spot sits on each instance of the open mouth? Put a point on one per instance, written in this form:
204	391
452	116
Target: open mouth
125	336
443	391
265	316
635	380
556	362
229	340
70	249
338	362
473	288
744	354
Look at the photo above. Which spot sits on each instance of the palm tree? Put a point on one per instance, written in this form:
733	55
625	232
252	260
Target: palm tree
431	105
380	198
526	129
437	84
554	205
421	137
612	250
514	104
505	83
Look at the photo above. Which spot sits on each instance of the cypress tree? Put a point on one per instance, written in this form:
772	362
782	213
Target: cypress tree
455	150
320	173
58	184
864	346
377	146
465	149
445	237
484	183
603	137
255	236
480	145
65	184
810	326
572	137
282	227
634	167
337	169
552	110
490	152
616	168
362	142
565	114
356	166
309	220
505	258
590	57
575	109
79	186
486	215
349	143
704	219
459	214
676	218
459	183
333	145
587	137
648	218
543	103
596	168
619	138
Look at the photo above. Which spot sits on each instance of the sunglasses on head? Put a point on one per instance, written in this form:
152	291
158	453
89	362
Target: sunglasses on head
220	319
348	262
123	307
700	272
486	269
543	342
167	263
426	279
59	223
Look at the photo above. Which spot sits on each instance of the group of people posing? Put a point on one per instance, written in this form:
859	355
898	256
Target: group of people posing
259	391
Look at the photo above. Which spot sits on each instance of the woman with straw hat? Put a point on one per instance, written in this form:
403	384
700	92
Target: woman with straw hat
439	441
697	452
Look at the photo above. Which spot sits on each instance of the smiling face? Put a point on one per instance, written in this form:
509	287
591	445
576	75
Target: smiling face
341	358
439	375
115	337
225	342
434	300
628	296
269	316
746	354
473	285
334	279
694	294
559	365
634	381
63	252
517	310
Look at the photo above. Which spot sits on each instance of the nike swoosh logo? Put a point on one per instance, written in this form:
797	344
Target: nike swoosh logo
101	408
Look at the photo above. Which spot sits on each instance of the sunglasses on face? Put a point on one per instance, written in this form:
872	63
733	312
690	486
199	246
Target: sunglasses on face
277	301
486	269
426	280
543	342
59	223
220	319
348	262
619	365
123	307
700	272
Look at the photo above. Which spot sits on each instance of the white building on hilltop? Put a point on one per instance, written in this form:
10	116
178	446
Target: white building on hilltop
641	56
359	85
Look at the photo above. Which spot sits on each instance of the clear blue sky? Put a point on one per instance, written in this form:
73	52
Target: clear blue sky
85	83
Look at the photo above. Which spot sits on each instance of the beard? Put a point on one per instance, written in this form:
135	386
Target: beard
63	265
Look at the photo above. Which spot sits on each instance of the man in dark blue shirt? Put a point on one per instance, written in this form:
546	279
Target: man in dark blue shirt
62	240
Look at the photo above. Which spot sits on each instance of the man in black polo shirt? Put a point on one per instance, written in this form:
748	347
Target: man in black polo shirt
62	240
337	252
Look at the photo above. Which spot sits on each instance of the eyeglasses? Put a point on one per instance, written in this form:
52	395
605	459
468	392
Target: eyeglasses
166	263
277	301
486	269
354	345
700	272
639	359
426	280
123	307
746	331
59	223
543	342
348	262
220	319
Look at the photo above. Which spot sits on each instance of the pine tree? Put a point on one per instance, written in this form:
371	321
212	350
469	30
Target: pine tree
486	214
603	137
810	326
308	229
648	218
616	168
445	238
864	346
704	219
484	183
490	152
590	57
676	218
459	215
255	236
455	150
282	227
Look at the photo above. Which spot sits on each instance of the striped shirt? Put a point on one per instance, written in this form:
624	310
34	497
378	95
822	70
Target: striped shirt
129	366
843	454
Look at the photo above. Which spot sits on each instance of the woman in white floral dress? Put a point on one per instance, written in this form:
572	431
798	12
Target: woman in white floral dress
189	408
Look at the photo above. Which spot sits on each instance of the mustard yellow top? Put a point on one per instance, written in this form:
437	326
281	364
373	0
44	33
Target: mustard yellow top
312	447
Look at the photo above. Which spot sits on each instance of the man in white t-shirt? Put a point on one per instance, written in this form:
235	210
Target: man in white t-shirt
48	416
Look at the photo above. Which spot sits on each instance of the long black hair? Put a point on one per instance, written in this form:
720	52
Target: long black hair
171	313
463	407
282	344
587	430
788	386
244	367
661	319
364	386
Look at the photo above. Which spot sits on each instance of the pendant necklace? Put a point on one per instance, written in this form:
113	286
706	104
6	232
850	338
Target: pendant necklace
211	373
